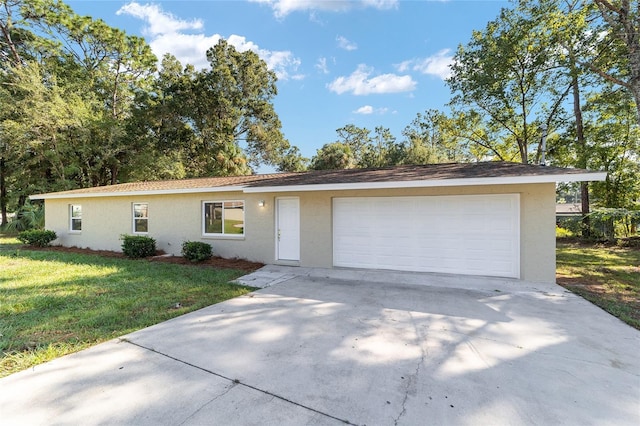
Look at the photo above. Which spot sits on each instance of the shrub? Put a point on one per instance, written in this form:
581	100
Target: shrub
196	251
563	233
137	246
37	237
29	216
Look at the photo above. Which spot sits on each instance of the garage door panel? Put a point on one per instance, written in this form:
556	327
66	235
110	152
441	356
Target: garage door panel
476	235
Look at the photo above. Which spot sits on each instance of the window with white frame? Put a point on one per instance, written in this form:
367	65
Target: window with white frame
75	218
223	218
140	218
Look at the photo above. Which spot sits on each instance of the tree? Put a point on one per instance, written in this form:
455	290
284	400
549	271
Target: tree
70	82
293	161
503	75
358	139
617	57
382	150
334	155
230	104
615	144
432	138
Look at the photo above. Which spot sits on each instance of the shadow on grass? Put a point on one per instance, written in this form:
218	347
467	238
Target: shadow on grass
57	298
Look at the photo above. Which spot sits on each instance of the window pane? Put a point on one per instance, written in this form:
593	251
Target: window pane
141	225
141	210
234	217
213	218
76	218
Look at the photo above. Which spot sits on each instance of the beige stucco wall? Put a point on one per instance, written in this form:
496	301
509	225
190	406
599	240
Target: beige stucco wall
177	218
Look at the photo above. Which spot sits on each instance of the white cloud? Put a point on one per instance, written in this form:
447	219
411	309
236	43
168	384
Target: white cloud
345	44
360	83
321	65
438	64
368	109
160	22
282	8
167	35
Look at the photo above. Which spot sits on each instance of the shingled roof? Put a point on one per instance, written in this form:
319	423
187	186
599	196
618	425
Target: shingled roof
451	174
416	173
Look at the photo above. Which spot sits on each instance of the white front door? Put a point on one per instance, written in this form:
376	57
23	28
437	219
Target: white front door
288	229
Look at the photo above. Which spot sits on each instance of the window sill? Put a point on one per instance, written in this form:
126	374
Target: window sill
74	232
223	237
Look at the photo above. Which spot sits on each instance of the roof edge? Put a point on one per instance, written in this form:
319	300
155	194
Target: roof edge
509	180
63	195
476	181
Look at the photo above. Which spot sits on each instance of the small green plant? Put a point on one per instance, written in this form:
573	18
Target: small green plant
196	251
563	233
137	246
29	216
37	237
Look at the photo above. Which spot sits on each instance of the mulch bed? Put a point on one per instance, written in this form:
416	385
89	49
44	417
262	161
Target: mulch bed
213	262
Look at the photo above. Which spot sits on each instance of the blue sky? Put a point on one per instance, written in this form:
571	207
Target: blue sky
363	62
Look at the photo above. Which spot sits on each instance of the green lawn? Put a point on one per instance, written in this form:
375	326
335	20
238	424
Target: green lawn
607	276
53	303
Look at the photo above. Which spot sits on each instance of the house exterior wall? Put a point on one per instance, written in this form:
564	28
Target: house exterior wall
177	218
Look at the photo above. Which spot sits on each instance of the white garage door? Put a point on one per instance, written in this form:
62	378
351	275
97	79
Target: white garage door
470	234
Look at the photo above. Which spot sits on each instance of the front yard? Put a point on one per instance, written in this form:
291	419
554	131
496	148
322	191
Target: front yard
607	276
54	302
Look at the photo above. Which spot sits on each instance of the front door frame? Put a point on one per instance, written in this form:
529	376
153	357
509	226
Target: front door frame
294	252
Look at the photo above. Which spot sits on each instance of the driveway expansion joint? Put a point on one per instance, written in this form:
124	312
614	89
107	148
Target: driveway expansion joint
235	382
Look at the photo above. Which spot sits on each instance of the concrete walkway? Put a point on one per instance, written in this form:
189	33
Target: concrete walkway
329	347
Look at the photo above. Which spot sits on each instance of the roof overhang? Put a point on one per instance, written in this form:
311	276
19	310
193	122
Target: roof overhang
508	180
54	196
427	183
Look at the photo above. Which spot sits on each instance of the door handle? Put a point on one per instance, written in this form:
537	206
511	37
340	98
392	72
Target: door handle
278	235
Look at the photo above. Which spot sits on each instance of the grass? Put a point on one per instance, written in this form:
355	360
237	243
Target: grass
54	303
606	276
8	242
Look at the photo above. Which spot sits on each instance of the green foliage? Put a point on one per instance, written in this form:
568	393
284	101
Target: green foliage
573	225
616	221
196	251
30	216
334	155
37	237
293	161
503	72
137	246
563	233
432	137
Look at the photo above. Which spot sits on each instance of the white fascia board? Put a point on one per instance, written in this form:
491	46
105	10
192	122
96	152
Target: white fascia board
137	193
510	180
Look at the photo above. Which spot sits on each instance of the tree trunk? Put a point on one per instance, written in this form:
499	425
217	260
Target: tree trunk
582	153
3	193
586	220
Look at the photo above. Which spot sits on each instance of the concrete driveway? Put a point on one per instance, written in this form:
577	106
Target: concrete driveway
329	347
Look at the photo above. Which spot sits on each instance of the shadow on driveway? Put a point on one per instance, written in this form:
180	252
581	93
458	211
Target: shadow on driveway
324	350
